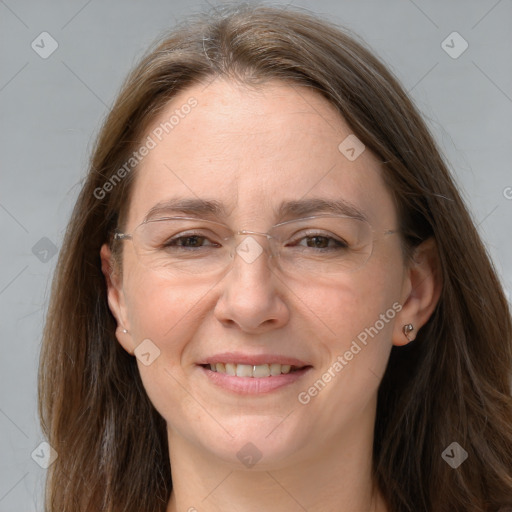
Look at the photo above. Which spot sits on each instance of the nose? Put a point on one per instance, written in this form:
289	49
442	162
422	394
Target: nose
252	295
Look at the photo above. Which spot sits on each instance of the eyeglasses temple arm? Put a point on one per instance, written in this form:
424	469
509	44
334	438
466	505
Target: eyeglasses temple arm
122	236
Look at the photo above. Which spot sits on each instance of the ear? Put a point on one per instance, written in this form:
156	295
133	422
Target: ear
421	292
116	299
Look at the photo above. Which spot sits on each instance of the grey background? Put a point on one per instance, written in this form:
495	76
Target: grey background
51	109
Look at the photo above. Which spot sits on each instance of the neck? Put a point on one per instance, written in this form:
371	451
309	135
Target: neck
330	476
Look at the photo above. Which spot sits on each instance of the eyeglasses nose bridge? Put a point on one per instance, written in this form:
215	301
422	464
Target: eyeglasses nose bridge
249	232
269	237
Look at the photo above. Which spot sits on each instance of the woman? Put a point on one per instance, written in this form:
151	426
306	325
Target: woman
271	295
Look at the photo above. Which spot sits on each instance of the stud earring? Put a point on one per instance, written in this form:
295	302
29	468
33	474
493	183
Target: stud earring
124	331
407	329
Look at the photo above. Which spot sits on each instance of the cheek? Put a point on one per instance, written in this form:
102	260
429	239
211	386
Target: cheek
346	308
359	316
168	316
160	310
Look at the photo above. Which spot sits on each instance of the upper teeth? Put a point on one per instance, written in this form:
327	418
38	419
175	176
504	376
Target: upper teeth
249	370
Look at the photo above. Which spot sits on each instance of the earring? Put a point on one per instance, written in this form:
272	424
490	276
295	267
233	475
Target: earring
407	329
124	331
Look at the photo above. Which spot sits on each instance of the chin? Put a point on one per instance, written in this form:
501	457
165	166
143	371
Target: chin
261	443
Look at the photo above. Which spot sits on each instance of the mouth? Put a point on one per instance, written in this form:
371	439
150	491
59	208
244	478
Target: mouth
252	374
256	371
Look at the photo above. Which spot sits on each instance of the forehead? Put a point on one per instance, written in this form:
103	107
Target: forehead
251	150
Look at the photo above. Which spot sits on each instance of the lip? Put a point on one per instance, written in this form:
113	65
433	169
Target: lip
253	385
253	360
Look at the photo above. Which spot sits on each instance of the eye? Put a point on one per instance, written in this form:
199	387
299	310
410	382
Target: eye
189	241
320	241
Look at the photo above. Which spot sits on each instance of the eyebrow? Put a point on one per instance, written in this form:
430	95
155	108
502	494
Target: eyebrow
311	206
286	210
188	206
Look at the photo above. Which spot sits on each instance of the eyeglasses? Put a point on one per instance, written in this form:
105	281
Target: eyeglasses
329	245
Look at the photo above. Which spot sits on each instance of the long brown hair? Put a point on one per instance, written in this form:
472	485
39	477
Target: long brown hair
451	384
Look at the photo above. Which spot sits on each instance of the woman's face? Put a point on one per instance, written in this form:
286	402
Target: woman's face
251	151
